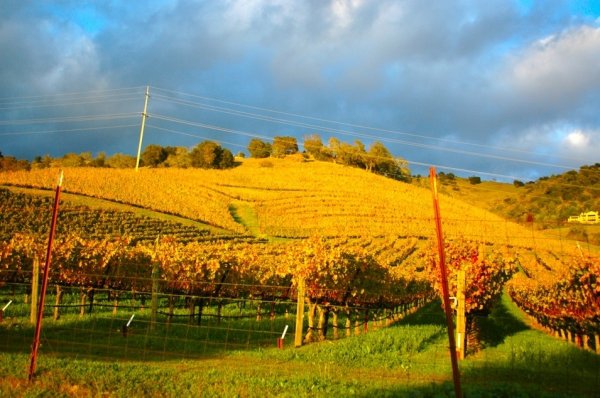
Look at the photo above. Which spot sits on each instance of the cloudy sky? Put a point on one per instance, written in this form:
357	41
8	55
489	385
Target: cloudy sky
497	88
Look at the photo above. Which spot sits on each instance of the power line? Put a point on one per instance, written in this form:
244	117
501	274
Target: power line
71	102
360	126
385	139
127	94
150	126
365	136
411	162
69	130
209	126
86	118
72	94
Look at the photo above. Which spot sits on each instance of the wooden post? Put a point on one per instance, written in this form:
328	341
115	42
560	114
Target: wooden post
348	323
597	343
192	307
82	298
461	319
299	314
115	303
35	281
59	293
154	300
259	311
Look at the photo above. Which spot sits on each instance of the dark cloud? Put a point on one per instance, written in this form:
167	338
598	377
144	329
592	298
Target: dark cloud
492	73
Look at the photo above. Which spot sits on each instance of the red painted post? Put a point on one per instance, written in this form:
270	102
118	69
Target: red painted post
38	326
444	283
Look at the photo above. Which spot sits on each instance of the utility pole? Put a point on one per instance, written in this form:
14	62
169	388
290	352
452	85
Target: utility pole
144	116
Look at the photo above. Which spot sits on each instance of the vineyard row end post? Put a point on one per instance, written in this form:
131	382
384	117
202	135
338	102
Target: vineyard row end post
154	299
35	281
461	319
299	314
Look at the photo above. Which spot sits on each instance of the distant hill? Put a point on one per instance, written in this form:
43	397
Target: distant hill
551	200
544	204
285	198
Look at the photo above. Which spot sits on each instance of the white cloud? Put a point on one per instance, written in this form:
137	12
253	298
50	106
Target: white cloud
559	68
577	139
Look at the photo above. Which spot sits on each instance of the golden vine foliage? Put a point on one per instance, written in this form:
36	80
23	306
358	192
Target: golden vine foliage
344	272
290	199
566	297
486	269
377	247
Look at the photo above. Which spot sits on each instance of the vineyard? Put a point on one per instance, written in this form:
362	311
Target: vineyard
291	200
26	213
330	252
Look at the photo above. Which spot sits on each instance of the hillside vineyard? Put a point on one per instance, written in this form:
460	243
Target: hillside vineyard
348	237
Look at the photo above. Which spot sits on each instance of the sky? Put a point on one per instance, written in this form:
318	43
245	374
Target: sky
498	88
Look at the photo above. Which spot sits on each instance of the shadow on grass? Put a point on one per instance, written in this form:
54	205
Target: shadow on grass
516	361
502	323
490	389
430	314
102	337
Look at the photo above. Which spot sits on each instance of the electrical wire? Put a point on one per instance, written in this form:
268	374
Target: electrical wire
374	137
86	118
69	130
360	126
85	94
151	126
87	101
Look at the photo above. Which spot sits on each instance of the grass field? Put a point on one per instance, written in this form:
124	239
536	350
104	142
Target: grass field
407	359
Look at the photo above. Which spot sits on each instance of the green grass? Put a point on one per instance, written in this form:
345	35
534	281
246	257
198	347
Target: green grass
244	214
407	359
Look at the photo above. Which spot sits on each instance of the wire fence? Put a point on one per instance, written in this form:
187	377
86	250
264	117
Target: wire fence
409	340
154	324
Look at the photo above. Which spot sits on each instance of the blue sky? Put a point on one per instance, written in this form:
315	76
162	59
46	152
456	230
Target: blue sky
508	88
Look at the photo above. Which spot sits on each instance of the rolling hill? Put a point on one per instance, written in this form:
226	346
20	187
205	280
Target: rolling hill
285	198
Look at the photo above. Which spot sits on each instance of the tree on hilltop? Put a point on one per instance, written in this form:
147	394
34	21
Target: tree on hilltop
153	155
284	145
178	157
10	163
121	161
315	147
259	149
210	155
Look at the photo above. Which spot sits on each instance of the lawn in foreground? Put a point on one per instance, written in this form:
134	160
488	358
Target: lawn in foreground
408	359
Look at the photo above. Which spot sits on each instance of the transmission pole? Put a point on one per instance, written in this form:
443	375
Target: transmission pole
144	116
